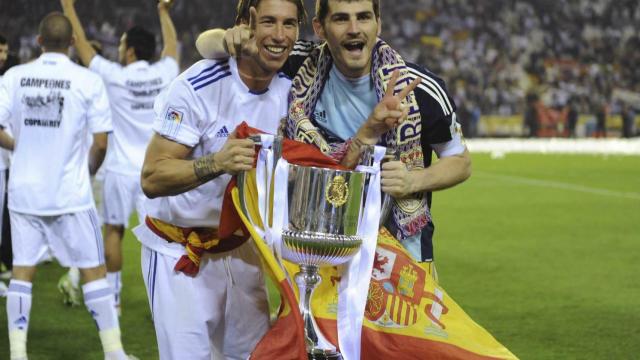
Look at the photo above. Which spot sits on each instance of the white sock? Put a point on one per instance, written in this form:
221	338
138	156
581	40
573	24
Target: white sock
115	281
110	339
18	309
74	277
98	297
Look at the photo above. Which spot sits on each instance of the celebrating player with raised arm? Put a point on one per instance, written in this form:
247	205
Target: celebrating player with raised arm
132	84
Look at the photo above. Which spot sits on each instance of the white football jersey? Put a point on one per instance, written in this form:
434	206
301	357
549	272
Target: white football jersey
200	109
53	106
132	90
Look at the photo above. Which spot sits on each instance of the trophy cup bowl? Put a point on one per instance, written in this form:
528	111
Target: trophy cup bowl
324	208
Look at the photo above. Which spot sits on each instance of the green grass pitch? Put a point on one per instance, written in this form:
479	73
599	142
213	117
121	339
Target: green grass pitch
541	250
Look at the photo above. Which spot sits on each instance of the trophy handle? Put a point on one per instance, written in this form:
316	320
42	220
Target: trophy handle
366	159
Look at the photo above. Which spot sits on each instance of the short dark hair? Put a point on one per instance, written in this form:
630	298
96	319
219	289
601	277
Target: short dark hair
142	41
322	8
3	40
56	31
243	10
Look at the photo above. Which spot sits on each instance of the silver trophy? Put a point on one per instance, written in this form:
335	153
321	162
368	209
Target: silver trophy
324	209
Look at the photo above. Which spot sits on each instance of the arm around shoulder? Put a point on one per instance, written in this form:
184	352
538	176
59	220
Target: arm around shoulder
211	44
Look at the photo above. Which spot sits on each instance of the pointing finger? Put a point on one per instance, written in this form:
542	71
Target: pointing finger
253	16
392	83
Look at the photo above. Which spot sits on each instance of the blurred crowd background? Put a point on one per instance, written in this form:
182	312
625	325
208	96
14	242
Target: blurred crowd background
515	67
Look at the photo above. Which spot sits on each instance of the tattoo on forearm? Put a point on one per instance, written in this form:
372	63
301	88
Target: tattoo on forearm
204	168
352	157
356	145
355	148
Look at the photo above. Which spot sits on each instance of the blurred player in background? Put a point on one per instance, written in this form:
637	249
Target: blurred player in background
52	105
5	269
69	283
132	84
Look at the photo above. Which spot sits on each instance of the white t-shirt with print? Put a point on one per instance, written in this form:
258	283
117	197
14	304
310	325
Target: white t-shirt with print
53	106
200	109
132	90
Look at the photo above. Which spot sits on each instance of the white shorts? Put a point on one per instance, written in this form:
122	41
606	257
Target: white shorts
74	239
121	195
222	310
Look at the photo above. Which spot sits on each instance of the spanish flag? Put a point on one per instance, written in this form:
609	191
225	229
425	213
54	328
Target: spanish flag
407	316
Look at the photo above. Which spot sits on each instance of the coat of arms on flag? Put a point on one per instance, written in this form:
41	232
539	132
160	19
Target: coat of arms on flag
395	291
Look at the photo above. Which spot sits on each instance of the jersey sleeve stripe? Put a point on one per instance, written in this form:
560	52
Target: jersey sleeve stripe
303	45
223	75
211	68
434	85
209	76
436	97
299	53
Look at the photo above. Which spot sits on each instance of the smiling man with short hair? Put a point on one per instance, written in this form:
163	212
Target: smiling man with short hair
353	67
207	294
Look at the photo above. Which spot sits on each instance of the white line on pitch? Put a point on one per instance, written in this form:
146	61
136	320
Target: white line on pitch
560	185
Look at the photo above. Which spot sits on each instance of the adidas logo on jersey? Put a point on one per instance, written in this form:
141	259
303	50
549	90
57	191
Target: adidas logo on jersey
222	132
320	116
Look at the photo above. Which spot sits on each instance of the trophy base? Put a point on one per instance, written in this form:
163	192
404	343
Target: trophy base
320	354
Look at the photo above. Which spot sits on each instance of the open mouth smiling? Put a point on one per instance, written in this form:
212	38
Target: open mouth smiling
354	46
275	49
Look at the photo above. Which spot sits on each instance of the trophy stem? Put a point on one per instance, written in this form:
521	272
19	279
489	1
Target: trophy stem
307	280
